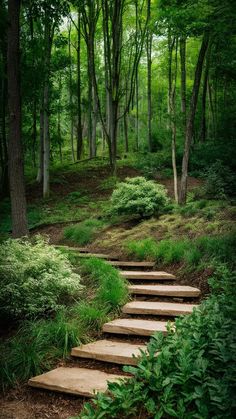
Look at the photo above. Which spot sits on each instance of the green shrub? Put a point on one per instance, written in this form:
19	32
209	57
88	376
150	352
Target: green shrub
112	290
220	181
84	232
138	196
35	278
37	346
108	183
194	374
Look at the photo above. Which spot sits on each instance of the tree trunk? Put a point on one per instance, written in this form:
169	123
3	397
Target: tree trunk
4	186
40	159
136	82
126	133
182	48
70	98
204	95
149	78
46	136
15	154
79	114
172	75
191	118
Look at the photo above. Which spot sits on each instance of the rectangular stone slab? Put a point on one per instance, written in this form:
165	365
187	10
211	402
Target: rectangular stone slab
85	253
110	351
166	290
80	381
157	308
147	275
130	264
136	327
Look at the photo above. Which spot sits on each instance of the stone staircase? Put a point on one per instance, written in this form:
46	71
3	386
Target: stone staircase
153	305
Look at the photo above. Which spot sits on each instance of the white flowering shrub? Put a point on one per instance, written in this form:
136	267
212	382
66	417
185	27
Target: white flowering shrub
138	196
35	278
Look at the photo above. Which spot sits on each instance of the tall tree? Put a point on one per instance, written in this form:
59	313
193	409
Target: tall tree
191	117
15	154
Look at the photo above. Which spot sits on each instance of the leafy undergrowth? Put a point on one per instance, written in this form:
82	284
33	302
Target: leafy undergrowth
48	336
194	374
84	232
202	251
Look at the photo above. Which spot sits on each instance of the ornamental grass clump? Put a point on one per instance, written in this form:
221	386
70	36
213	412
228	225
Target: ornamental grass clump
35	279
139	196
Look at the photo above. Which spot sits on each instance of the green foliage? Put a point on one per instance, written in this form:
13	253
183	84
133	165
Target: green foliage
193	375
37	346
91	315
77	198
84	232
138	196
202	250
35	278
108	183
220	181
111	288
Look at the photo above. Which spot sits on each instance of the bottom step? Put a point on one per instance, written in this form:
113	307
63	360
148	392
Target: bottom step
80	381
135	327
110	351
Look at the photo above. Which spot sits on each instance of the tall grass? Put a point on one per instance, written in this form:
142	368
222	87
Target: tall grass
37	346
84	232
191	252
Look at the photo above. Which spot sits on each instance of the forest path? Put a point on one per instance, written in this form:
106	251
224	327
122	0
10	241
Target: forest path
155	301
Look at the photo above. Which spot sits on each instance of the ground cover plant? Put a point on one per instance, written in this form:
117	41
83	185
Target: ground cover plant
202	251
84	232
194	374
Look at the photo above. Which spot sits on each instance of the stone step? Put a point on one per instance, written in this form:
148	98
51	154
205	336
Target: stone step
110	351
137	327
80	381
165	290
157	308
155	275
130	264
86	254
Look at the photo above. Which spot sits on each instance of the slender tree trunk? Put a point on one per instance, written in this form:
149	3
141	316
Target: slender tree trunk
191	118
70	98
34	132
46	135
204	96
15	154
40	159
126	133
172	75
59	119
79	113
182	48
149	78
136	82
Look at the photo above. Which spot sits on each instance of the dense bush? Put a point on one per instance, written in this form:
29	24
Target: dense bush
84	232
35	278
194	374
138	196
220	181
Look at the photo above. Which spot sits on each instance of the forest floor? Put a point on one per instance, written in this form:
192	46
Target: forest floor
79	194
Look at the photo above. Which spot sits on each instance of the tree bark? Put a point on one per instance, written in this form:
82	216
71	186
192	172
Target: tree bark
149	78
40	154
182	48
79	113
70	97
15	153
191	118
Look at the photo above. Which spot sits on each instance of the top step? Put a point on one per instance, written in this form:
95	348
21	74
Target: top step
87	254
158	275
131	264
